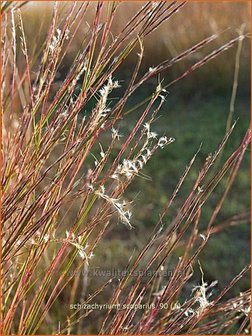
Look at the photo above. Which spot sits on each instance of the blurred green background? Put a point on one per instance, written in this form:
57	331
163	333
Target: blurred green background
196	111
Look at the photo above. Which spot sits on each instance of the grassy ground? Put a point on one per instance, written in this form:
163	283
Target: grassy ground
192	123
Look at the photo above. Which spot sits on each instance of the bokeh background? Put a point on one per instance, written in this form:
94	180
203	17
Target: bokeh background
195	112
